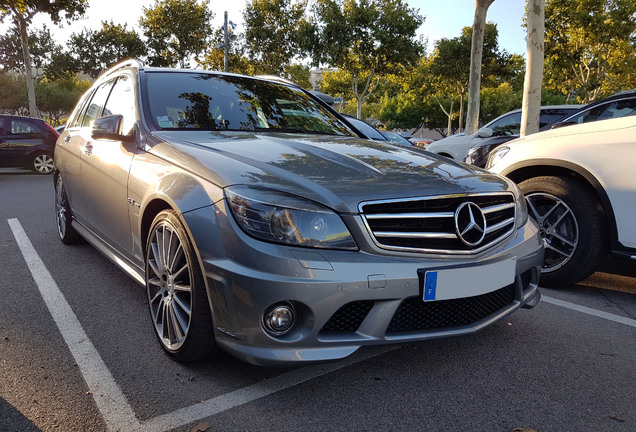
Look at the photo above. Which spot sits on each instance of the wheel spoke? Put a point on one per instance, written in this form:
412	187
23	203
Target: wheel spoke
184	305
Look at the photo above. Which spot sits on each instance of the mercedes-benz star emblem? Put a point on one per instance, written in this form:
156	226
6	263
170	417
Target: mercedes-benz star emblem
470	223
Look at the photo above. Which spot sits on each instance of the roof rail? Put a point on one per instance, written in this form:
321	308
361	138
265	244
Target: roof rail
130	63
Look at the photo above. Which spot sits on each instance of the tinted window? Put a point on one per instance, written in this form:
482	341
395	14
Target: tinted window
509	125
211	102
25	127
122	101
615	109
549	116
96	105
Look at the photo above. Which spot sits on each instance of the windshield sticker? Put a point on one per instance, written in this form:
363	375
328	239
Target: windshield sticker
164	122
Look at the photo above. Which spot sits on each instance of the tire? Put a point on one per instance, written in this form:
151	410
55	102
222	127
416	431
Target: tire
176	291
573	228
42	163
63	217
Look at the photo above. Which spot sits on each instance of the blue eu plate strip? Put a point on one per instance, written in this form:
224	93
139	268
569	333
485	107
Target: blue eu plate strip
430	286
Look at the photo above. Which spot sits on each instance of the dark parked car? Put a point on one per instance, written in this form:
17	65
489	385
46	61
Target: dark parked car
479	150
27	142
259	222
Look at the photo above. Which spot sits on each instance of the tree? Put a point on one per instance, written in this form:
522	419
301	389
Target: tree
96	51
368	39
272	33
13	95
22	13
59	97
479	24
531	105
176	31
41	46
589	47
450	65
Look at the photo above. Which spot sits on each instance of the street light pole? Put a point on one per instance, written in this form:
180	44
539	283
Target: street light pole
225	65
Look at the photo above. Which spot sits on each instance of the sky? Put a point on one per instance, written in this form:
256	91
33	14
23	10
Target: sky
443	19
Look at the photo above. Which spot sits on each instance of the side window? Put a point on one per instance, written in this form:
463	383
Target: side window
25	128
76	115
96	105
122	101
509	125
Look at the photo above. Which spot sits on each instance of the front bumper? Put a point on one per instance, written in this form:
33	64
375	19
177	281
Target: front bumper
344	300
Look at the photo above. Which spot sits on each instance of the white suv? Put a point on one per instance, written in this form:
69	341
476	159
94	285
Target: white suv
580	186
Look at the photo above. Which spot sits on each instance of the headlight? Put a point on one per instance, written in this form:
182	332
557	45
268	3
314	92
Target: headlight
496	155
277	217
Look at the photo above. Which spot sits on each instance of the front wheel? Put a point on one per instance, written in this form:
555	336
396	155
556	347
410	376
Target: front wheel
42	163
573	227
63	218
176	291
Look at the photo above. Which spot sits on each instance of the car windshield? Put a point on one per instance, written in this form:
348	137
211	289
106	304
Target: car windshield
182	100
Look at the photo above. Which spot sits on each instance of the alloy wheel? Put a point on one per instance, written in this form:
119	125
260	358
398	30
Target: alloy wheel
169	285
559	229
43	164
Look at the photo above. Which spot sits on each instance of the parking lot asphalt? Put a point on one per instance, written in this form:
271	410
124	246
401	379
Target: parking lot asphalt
78	353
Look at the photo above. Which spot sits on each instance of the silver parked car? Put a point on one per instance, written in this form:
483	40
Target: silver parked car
259	223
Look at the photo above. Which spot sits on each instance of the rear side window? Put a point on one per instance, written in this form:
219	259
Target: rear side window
615	109
25	128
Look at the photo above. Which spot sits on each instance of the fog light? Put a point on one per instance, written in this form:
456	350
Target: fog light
279	319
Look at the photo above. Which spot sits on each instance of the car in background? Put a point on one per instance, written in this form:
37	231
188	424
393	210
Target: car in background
27	142
619	105
622	104
580	185
261	223
502	129
370	132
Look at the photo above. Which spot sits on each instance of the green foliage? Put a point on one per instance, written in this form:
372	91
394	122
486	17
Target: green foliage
496	101
13	95
57	10
299	74
272	33
214	57
589	47
41	46
59	97
96	51
367	39
176	31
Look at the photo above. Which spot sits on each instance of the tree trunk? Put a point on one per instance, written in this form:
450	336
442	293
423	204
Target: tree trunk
24	39
531	106
477	47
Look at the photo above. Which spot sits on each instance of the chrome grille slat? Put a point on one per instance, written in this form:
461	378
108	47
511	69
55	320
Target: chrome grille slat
427	224
414	235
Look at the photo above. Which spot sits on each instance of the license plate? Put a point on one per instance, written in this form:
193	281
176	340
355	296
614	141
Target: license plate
460	282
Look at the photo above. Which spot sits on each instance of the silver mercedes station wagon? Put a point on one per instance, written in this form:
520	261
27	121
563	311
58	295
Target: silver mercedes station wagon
262	223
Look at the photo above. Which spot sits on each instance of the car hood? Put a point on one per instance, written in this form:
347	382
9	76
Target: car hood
339	172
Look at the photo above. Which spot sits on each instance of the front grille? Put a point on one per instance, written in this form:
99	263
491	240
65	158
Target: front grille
416	315
348	318
428	224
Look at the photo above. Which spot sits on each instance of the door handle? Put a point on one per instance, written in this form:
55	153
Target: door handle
88	149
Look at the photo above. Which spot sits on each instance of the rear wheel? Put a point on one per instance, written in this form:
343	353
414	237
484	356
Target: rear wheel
42	163
65	230
573	227
176	291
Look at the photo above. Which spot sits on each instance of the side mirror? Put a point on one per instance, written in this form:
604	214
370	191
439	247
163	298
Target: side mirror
109	128
484	132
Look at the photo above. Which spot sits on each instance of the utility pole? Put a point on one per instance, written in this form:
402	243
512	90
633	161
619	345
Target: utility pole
226	43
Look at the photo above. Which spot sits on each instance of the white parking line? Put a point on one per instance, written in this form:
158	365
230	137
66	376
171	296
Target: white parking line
110	400
117	413
589	311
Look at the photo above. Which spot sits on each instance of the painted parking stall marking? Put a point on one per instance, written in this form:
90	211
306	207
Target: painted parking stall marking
110	400
112	403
